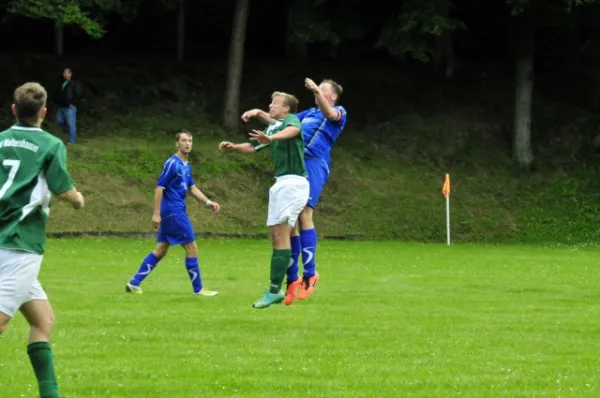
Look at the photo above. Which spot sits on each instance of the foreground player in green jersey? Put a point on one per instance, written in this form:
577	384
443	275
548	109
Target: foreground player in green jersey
289	194
33	165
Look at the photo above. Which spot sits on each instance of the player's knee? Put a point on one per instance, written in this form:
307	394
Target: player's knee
160	251
306	216
44	324
191	249
280	235
4	321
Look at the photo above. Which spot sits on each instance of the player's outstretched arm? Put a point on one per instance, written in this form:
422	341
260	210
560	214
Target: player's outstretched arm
74	197
258	114
246	147
285	134
200	197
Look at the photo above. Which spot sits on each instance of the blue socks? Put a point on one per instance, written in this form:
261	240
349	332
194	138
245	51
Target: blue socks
292	271
193	269
147	266
308	240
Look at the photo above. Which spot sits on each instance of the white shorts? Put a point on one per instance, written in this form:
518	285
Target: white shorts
19	280
287	198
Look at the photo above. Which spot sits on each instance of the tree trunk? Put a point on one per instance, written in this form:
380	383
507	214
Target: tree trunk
236	62
592	59
58	39
294	49
180	30
522	152
445	56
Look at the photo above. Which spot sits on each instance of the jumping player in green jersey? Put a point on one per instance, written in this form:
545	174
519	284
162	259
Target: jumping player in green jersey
33	166
289	194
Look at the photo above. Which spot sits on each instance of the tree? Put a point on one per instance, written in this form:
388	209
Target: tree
74	12
231	109
179	7
64	12
526	14
319	21
422	29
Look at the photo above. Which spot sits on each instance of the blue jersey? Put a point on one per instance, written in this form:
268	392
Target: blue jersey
176	179
320	133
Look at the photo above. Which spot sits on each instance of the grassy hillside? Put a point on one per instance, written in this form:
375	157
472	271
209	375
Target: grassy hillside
405	131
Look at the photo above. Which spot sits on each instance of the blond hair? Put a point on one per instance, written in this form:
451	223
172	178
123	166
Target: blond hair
30	99
288	100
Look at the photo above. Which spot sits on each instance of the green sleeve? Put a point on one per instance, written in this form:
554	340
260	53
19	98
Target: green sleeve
57	176
292	120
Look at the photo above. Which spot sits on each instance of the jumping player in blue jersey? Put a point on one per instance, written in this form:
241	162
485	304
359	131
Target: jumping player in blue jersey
321	127
171	219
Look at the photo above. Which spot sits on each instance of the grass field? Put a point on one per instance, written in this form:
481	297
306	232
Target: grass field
387	320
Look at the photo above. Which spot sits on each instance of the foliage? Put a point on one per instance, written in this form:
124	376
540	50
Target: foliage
64	11
413	29
312	22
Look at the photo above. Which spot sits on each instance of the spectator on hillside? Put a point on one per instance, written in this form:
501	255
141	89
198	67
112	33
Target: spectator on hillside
67	99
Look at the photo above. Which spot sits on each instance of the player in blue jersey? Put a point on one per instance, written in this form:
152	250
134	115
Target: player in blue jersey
321	127
170	217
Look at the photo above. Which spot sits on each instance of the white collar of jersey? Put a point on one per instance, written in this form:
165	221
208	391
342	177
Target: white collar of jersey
17	127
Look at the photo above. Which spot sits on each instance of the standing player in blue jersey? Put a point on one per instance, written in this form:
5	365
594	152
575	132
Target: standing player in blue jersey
170	217
321	126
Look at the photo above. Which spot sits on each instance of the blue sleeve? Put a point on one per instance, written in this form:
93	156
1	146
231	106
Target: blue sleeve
341	116
190	181
169	171
302	115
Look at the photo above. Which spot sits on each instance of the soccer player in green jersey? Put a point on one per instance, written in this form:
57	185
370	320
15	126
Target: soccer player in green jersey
289	194
33	165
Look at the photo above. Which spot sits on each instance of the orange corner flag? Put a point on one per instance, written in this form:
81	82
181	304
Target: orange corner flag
446	187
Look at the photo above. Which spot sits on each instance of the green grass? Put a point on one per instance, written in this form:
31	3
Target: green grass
388	319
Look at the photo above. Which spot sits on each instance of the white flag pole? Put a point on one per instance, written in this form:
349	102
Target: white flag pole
448	219
446	193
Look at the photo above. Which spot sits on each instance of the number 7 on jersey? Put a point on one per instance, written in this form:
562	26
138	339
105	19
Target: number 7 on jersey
14	167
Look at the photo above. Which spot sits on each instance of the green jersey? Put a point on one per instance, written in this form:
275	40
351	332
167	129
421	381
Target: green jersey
33	164
288	155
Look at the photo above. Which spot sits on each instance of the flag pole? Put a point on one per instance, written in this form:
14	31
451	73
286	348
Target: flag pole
446	193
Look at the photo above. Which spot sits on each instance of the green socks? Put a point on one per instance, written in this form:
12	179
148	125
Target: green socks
42	361
280	261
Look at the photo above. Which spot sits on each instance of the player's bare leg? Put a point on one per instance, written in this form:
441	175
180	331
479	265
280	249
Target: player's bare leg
280	235
40	316
293	282
193	268
147	266
4	321
308	255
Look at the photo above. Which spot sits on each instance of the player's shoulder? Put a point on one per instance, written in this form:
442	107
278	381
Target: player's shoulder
35	135
170	160
291	119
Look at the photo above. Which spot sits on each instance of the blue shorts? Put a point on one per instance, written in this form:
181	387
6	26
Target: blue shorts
176	229
318	173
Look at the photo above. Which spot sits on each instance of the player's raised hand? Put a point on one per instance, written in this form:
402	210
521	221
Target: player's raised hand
249	115
226	145
257	135
311	85
156	220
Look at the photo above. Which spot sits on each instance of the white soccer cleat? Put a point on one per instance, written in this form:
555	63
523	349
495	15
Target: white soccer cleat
206	293
129	288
